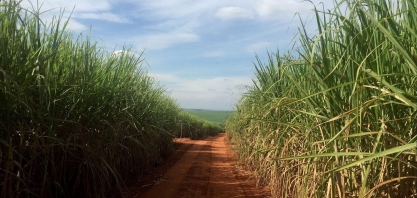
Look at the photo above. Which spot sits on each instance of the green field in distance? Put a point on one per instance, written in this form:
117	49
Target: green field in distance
211	115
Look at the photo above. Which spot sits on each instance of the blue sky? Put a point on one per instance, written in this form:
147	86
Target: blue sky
202	52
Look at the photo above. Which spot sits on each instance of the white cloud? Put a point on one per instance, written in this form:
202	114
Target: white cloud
231	13
165	40
106	16
93	9
80	5
254	47
212	54
278	9
209	93
285	10
118	53
75	26
230	9
175	9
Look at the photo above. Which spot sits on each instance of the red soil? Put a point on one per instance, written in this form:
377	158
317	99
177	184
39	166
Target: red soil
198	168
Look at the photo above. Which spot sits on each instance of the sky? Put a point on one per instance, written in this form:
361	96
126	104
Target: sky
202	52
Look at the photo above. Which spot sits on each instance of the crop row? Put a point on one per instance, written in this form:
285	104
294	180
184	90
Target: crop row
76	121
337	115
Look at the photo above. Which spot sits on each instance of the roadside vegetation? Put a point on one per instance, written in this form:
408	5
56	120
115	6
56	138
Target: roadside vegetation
337	115
76	121
194	127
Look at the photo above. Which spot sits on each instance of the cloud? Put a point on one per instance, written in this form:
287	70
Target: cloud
165	40
232	13
278	9
210	93
254	47
75	26
91	9
119	53
175	9
106	16
286	9
212	54
80	5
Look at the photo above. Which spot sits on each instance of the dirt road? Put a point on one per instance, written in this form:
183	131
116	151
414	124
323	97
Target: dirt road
198	168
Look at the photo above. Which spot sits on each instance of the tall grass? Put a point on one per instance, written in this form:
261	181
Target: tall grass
339	119
75	121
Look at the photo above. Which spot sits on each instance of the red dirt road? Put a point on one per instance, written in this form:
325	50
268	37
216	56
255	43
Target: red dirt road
198	168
